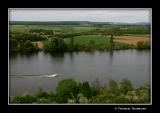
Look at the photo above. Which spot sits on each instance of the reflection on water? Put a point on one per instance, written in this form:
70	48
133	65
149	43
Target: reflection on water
82	66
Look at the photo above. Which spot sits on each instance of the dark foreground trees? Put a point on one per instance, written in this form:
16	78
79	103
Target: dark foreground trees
66	89
69	91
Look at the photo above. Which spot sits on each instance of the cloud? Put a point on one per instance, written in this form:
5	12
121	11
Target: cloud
104	15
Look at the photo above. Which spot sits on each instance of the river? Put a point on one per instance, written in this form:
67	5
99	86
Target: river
26	71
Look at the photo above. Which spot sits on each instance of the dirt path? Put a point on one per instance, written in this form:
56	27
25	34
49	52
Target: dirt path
39	44
130	39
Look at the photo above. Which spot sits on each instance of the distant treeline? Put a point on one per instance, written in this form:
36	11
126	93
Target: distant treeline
48	23
113	31
70	23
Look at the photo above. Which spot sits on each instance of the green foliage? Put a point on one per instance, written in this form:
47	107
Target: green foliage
143	45
96	86
22	46
85	89
55	45
68	91
143	94
24	99
65	89
125	86
113	86
95	42
41	31
40	93
76	37
13	45
85	39
26	36
27	46
111	43
22	42
72	41
43	100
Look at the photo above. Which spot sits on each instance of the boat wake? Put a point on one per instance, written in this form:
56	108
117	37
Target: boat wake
54	75
34	76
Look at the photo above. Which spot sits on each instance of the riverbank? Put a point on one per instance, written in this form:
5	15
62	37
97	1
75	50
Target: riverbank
68	91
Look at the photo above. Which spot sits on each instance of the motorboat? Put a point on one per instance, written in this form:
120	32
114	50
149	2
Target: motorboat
54	75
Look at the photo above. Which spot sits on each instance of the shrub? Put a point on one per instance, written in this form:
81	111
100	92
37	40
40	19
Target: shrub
143	45
24	99
65	89
125	86
85	89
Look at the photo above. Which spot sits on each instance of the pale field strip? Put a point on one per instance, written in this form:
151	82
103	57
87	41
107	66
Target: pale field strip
131	39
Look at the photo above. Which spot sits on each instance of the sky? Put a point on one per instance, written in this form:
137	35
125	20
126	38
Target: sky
93	15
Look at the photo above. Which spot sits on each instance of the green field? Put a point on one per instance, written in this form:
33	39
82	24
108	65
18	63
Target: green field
64	28
86	39
97	42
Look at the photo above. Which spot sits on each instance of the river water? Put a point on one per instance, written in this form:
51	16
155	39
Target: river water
26	72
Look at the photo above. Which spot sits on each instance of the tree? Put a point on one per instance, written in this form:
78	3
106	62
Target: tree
96	86
85	89
24	99
40	93
111	43
55	44
29	47
61	45
71	41
28	44
126	86
13	44
143	45
143	93
21	45
113	86
65	89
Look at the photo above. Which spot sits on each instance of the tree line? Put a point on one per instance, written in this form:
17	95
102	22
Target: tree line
72	92
96	30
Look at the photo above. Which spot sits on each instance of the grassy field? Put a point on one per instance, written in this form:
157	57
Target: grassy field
64	28
86	39
98	42
99	35
79	28
19	28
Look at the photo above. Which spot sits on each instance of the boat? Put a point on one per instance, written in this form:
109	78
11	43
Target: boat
54	75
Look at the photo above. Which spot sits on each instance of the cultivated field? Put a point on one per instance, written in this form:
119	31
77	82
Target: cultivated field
131	39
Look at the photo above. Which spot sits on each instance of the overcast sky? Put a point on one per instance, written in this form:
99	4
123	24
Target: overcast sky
94	15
